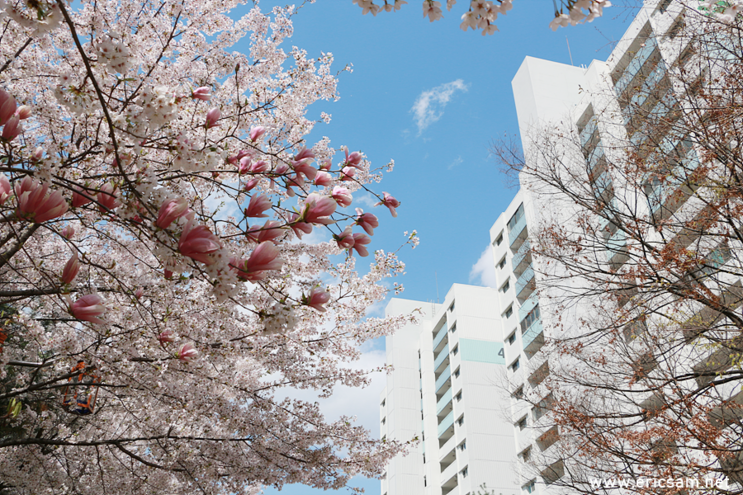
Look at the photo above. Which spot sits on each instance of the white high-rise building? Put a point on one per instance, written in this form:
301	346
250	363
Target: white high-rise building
444	391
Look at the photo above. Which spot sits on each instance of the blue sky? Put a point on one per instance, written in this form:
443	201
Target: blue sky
432	97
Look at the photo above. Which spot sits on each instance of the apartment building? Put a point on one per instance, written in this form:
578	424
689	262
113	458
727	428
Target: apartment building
448	390
604	105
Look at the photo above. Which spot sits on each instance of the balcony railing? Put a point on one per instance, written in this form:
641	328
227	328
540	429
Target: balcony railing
528	305
439	337
517	232
524	280
616	247
444	354
443	402
520	256
446	423
533	337
634	66
443	378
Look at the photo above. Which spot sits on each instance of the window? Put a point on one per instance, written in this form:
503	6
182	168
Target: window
456	373
522	423
505	287
424	483
464	472
384	401
460	421
525	454
424	458
511	338
529	487
518	393
455	351
499	239
664	6
451	308
508	312
384	420
453	328
502	262
463	446
515	365
458	396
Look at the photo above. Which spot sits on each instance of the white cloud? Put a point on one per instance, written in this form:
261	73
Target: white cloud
484	269
366	199
429	107
455	163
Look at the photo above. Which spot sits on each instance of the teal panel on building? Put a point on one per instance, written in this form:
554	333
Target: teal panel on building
482	351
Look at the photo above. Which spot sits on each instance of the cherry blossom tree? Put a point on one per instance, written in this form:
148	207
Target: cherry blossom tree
639	269
162	282
481	14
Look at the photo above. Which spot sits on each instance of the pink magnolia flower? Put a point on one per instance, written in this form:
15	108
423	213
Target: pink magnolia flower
88	308
304	167
171	210
258	204
244	166
345	239
70	270
342	196
354	159
366	221
139	293
68	232
262	259
250	185
240	155
256	133
106	198
268	232
78	199
323	179
361	240
23	112
12	128
187	353
347	173
4	188
202	93
167	274
7	106
38	154
317	209
316	299
281	169
299	227
390	202
326	165
198	243
259	167
36	203
212	118
303	154
166	337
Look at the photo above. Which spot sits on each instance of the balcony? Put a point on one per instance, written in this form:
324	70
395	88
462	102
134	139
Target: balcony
603	188
444	378
595	157
443	402
450	455
443	356
548	438
616	249
517	232
439	337
528	305
448	449
450	475
446	424
634	66
533	337
522	258
525	284
665	198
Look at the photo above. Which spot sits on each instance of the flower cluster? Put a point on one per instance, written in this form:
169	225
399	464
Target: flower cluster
579	11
